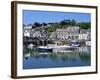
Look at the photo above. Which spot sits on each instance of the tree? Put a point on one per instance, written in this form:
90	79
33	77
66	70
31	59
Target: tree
33	26
85	25
37	24
73	22
44	24
65	22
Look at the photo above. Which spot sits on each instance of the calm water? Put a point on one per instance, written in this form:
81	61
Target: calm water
33	59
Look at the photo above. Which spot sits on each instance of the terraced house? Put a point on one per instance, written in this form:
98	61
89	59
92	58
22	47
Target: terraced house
69	33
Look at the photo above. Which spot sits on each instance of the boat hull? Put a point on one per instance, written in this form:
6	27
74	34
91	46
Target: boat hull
44	50
50	49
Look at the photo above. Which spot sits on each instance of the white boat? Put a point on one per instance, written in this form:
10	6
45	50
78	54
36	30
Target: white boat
27	55
30	46
50	48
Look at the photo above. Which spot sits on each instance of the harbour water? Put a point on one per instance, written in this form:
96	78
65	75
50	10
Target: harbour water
79	57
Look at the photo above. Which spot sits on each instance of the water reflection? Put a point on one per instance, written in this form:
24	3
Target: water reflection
79	57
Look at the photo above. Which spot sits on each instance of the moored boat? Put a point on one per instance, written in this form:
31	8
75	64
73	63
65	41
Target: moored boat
26	56
75	43
51	48
44	49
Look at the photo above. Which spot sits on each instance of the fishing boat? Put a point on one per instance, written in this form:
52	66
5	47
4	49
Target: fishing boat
44	49
54	47
30	46
75	43
26	56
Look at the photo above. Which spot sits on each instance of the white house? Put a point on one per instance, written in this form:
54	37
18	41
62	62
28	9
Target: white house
35	33
27	30
70	32
84	34
62	34
73	29
27	34
53	36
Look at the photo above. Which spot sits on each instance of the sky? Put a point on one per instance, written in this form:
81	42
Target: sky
31	16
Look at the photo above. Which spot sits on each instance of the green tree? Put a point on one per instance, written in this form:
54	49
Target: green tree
37	24
65	22
73	22
44	24
85	25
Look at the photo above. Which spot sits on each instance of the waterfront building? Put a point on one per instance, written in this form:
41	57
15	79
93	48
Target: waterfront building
73	32
35	33
27	30
68	33
85	34
62	34
73	29
53	36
